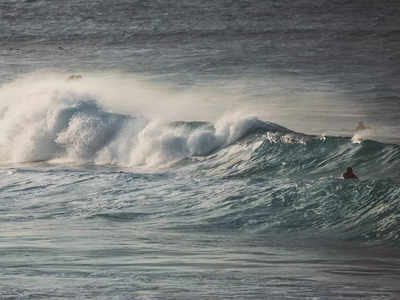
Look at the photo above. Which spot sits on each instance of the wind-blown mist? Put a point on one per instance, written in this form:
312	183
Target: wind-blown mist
196	149
53	118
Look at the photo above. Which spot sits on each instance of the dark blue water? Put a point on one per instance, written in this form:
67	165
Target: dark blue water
171	150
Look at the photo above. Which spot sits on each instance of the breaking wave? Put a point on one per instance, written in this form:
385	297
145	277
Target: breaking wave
292	181
57	120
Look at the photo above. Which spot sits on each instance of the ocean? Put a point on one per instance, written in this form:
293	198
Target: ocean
195	149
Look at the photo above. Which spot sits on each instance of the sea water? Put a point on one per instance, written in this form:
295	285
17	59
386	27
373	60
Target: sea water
194	149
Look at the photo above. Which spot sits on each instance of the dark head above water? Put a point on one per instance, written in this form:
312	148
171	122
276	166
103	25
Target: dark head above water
349	174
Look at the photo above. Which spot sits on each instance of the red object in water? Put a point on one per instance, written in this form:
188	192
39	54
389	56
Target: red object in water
349	174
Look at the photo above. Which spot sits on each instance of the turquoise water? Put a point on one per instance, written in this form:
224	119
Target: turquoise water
267	215
170	150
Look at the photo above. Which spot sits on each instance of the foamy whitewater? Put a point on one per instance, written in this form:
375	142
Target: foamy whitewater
196	150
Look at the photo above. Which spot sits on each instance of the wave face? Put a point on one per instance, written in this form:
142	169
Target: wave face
293	184
256	176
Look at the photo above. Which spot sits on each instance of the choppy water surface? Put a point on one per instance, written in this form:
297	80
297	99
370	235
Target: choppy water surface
232	224
168	150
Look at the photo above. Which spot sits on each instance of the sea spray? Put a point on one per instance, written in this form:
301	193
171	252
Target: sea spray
80	121
126	173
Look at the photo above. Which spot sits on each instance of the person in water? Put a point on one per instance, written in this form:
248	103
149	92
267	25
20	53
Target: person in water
349	174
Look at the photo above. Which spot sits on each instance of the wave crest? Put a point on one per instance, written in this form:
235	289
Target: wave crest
59	120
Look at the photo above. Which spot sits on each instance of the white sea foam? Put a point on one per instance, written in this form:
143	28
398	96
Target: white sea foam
361	135
51	118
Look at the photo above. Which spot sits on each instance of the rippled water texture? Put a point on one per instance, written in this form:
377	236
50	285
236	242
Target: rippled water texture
195	149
